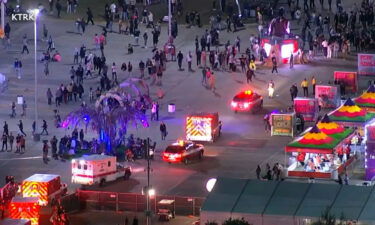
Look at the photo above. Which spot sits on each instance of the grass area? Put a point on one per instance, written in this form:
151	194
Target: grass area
366	105
337	139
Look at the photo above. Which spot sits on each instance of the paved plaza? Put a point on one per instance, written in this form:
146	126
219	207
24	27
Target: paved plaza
243	145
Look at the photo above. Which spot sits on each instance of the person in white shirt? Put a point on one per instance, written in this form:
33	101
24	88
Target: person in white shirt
113	10
114	71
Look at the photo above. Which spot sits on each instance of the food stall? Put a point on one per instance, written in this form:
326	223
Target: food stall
307	107
321	152
327	95
351	115
203	127
367	100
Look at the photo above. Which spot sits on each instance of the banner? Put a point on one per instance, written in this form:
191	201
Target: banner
282	124
307	107
327	95
349	79
366	64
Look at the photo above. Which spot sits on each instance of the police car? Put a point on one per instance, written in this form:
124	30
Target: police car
247	101
183	151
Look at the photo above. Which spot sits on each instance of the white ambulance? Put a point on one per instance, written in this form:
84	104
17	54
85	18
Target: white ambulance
91	169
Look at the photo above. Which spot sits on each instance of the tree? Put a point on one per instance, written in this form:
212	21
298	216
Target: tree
211	223
231	221
326	218
114	111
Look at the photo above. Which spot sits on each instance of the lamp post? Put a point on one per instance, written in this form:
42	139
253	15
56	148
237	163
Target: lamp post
36	134
3	2
170	18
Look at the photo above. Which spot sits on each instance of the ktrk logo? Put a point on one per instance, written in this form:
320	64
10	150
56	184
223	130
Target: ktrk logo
23	17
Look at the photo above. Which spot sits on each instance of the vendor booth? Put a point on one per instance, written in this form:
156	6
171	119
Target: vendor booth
282	48
323	151
351	115
306	107
367	100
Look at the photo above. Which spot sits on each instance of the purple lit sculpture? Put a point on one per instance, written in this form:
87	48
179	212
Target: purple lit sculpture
113	112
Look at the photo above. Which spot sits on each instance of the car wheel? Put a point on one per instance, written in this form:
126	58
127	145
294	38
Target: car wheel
235	111
102	182
186	161
200	156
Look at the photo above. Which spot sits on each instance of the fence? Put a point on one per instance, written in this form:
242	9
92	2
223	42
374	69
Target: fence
114	201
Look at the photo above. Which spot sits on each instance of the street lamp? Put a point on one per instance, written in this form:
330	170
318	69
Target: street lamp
3	2
36	135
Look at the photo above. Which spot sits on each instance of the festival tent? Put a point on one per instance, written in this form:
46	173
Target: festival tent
316	141
367	215
367	99
350	201
284	203
287	203
319	197
220	202
253	201
350	114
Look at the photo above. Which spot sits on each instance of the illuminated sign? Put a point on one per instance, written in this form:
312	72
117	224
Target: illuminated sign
366	64
282	124
19	17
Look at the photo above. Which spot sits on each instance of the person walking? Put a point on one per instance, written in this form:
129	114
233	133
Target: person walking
58	8
13	108
90	16
25	45
53	143
258	171
22	144
305	87
18	67
5	128
4	138
45	151
20	127
212	81
145	38
49	96
163	130
271	89
114	71
293	91
204	76
11	141
313	83
18	143
44	128
249	75
274	64
291	61
189	60
180	57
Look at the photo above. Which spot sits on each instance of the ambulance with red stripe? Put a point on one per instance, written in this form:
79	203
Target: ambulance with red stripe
92	169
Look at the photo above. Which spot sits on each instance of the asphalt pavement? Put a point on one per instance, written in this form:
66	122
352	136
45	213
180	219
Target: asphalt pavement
244	143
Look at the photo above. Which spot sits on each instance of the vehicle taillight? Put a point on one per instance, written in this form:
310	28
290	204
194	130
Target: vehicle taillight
234	104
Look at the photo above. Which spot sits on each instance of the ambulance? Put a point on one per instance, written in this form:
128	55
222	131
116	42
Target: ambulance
46	187
203	127
92	169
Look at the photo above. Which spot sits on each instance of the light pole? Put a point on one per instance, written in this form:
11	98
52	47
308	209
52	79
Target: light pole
170	18
36	134
3	2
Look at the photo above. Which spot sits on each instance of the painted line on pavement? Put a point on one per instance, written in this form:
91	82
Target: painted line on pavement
24	158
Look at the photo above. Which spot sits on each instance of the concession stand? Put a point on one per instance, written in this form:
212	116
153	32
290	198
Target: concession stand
367	100
322	151
351	115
